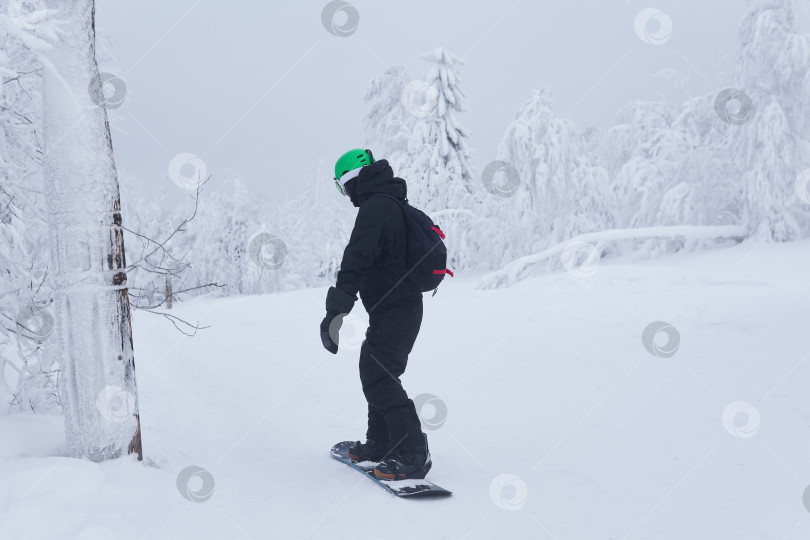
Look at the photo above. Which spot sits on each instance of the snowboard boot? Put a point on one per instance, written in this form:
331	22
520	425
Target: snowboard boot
371	450
406	463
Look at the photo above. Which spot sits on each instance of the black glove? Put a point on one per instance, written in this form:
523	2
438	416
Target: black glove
338	304
330	330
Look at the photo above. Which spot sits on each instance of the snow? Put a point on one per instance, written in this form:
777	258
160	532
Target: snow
550	394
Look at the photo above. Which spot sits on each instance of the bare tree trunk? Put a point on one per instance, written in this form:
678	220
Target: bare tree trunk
93	329
168	292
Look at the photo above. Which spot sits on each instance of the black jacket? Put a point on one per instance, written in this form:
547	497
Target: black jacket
376	257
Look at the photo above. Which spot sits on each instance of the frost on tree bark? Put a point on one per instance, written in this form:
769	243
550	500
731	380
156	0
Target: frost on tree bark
93	329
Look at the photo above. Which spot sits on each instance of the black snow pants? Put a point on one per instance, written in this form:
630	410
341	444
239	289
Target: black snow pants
392	418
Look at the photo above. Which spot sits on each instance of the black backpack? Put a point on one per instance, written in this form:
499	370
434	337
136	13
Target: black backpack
427	254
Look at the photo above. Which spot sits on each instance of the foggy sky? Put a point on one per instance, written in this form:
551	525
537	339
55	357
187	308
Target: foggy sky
261	88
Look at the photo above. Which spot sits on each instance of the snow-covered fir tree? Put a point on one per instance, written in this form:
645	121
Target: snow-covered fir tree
438	155
435	159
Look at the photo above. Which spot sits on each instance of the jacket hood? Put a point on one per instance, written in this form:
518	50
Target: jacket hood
377	178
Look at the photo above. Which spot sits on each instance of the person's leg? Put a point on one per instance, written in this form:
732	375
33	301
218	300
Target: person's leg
404	428
377	430
384	356
377	445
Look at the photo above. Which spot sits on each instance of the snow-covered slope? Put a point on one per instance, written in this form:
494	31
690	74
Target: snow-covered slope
548	381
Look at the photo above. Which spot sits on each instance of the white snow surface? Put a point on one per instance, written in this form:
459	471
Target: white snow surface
548	381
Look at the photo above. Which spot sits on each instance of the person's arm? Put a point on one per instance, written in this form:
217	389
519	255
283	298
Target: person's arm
365	245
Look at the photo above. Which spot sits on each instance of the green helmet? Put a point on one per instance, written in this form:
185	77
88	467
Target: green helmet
349	164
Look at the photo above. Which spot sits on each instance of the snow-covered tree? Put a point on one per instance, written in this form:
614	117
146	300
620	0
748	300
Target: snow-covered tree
718	172
252	246
512	204
438	157
559	191
316	236
93	329
27	374
645	166
415	124
774	146
729	158
388	124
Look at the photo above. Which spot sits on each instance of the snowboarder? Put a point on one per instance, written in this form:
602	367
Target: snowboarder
374	264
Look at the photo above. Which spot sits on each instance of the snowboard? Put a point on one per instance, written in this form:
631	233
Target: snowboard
400	488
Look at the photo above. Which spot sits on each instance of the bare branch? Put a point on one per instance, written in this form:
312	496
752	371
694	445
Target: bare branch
175	320
174	294
178	229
